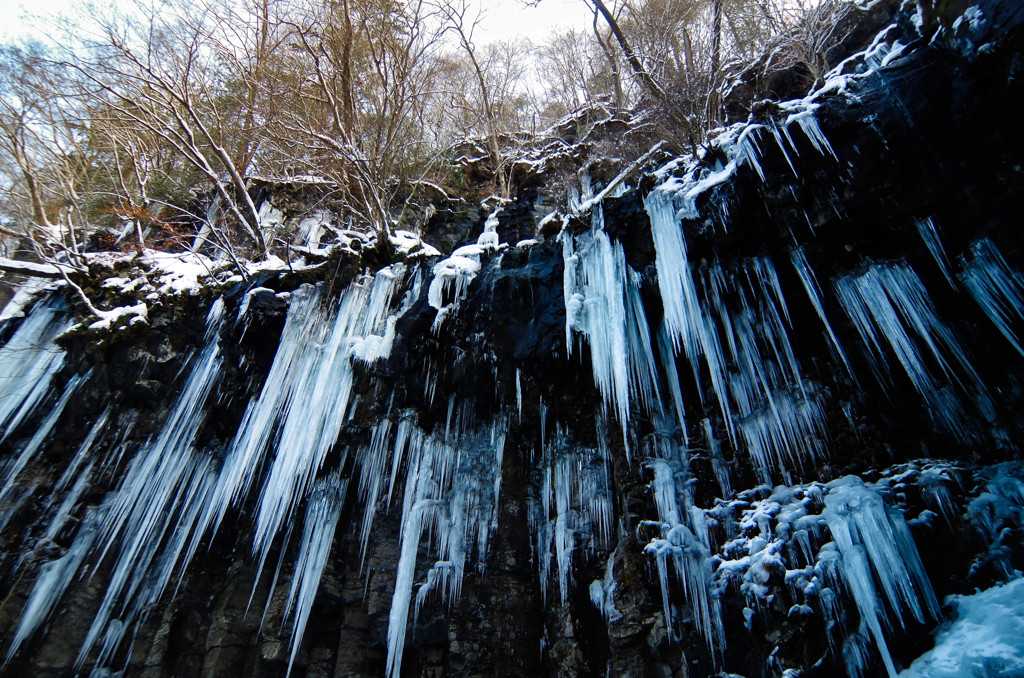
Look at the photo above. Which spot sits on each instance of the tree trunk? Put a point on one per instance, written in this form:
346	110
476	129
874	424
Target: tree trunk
645	78
348	109
716	65
612	64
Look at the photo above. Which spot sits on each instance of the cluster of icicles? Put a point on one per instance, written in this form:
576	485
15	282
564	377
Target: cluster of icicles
174	494
729	324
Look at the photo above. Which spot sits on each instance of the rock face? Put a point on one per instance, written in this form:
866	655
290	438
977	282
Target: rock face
759	414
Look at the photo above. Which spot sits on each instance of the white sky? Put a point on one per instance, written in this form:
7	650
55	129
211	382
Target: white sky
503	19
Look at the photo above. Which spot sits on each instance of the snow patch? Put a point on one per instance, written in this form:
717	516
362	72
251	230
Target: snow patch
137	313
984	641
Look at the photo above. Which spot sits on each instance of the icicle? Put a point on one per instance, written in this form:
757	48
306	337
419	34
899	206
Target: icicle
999	505
305	399
691	561
883	303
748	151
147	522
42	434
68	503
315	406
602	592
930	234
322	513
718	463
541	528
934	482
784	141
810	283
406	430
602	300
519	395
684	542
779	436
452	487
28	362
372	462
764	401
561	489
51	583
686	324
808	122
84	477
296	349
678	292
668	361
876	546
83	450
575	506
453	275
997	288
489	236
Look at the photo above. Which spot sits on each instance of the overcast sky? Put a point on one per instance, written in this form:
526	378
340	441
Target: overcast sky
503	19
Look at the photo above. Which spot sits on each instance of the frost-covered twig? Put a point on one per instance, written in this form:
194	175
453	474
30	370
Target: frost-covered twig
622	176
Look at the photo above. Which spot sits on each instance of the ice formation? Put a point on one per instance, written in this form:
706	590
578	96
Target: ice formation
876	546
322	512
997	288
452	491
736	324
173	495
700	366
453	275
684	543
574	508
28	361
892	311
984	640
602	301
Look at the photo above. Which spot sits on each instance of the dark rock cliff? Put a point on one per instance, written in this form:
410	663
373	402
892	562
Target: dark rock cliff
921	147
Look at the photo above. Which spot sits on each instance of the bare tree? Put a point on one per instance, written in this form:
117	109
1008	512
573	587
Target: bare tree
156	71
568	69
496	70
371	133
41	136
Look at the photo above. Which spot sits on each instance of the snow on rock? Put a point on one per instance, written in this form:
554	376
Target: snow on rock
177	273
270	264
127	285
122	316
986	640
550	218
453	275
409	244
